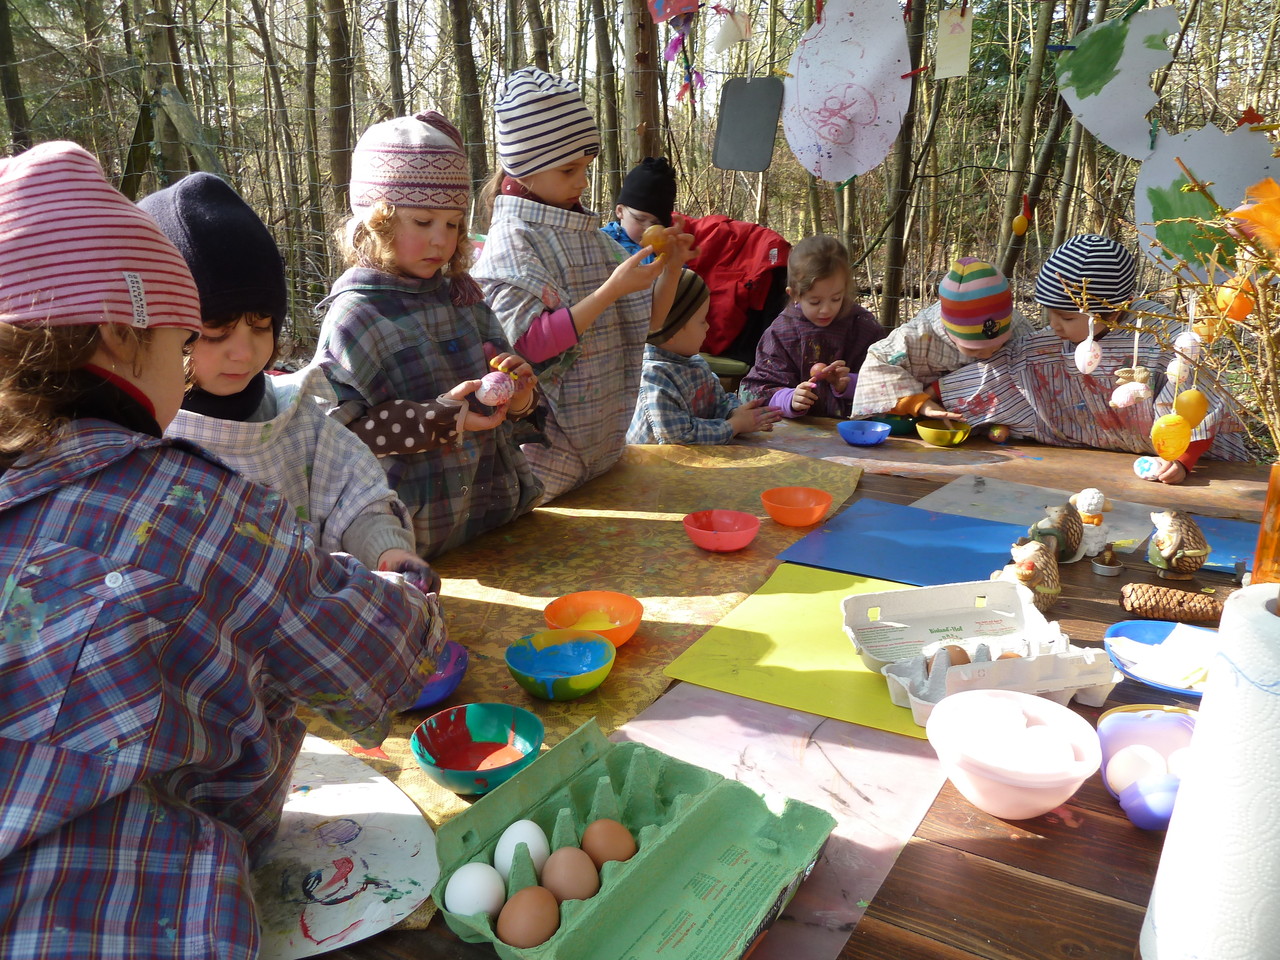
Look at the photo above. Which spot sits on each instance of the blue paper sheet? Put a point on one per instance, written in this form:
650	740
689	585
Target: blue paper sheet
1229	541
906	544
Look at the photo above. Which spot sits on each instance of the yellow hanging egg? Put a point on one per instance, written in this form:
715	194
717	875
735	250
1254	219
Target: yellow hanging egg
1191	405
1019	225
1171	435
1234	300
1208	329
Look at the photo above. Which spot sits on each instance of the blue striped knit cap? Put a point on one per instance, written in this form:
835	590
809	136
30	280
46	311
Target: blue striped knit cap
542	123
1087	273
413	162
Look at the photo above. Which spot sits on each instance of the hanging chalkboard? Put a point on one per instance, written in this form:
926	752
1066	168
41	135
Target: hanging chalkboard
747	124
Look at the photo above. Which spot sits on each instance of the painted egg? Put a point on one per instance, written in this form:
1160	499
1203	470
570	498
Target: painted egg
1146	467
1234	300
1208	329
1019	225
496	388
1177	370
1171	434
1127	394
1191	405
1088	355
1187	343
655	235
998	434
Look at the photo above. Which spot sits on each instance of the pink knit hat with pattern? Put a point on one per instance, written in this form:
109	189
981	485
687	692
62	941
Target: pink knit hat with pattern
74	250
413	161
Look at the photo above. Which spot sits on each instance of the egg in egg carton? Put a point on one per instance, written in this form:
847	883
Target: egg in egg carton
716	861
1048	667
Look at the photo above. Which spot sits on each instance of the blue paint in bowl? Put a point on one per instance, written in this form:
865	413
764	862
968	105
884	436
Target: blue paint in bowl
560	664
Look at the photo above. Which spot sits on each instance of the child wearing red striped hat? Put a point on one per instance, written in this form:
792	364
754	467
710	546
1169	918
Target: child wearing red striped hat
161	616
406	324
569	297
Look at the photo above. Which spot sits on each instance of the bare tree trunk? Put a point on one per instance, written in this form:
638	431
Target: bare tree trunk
640	91
315	273
612	149
273	94
395	63
895	247
341	95
233	101
11	87
514	35
1020	162
471	118
169	157
538	36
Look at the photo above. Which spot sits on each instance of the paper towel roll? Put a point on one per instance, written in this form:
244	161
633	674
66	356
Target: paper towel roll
1217	889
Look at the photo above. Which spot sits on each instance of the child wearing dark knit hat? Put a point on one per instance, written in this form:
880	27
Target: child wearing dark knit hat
647	198
272	428
406	324
568	297
681	399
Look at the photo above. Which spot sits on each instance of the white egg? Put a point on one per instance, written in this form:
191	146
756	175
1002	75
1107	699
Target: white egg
1180	762
1188	344
1088	355
1132	763
475	888
528	833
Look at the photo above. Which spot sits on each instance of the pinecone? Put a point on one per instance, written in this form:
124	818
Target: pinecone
1169	603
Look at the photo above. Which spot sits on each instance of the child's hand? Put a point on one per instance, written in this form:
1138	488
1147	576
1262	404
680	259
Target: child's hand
680	248
523	399
477	421
936	411
753	415
632	275
804	396
416	571
837	374
1167	471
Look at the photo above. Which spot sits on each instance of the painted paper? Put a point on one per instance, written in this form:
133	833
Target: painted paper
354	856
1229	162
663	10
1106	79
843	101
952	45
735	28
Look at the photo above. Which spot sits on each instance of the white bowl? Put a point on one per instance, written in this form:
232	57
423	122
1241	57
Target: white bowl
1011	754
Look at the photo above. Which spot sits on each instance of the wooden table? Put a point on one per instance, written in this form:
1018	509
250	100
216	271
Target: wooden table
1073	883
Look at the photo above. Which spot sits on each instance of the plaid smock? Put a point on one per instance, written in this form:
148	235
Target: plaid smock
327	474
792	345
913	356
538	258
681	401
387	337
1034	387
161	617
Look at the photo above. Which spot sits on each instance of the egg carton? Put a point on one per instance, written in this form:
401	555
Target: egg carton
898	625
1050	668
716	861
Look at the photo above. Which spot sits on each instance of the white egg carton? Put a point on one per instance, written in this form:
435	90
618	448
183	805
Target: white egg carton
1048	667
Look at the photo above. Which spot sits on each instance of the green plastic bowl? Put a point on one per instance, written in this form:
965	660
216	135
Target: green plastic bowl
899	426
560	664
475	747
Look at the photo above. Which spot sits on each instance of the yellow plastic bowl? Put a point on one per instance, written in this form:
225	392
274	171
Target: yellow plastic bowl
943	433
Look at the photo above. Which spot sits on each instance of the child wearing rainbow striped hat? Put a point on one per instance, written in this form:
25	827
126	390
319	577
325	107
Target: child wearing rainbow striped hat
973	319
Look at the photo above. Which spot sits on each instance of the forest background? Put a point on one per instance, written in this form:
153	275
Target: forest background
272	95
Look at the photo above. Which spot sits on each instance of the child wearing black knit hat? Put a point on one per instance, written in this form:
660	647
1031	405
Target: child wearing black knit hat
648	197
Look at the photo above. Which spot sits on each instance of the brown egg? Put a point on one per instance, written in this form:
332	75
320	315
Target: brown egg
606	840
1010	655
529	918
957	653
654	236
570	874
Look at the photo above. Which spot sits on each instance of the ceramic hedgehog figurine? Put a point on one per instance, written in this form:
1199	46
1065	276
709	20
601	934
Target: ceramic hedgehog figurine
1092	504
1035	567
1064	525
1177	548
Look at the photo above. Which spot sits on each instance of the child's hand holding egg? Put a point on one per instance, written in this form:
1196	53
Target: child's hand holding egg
496	388
655	235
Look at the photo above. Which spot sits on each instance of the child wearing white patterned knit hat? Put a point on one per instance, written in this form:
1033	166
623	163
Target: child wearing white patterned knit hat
407	329
163	616
569	297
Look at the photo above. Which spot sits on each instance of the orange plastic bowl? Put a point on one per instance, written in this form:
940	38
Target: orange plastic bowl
721	531
614	616
796	506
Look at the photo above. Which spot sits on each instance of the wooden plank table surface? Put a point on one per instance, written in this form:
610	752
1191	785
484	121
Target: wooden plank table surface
1072	883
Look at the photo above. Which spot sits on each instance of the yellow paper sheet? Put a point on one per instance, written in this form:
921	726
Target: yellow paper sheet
786	645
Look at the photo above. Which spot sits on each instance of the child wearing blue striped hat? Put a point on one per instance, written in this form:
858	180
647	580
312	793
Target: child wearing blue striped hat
569	298
1054	388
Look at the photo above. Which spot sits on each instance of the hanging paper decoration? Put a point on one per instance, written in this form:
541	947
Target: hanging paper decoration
1259	216
843	101
677	46
735	29
953	43
1106	79
1164	211
664	10
1171	435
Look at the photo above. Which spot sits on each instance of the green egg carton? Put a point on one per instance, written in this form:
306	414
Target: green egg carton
716	863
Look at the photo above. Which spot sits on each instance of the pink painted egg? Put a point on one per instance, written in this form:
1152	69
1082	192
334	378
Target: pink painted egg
496	388
1088	355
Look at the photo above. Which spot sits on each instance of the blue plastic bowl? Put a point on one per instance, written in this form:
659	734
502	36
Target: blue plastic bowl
475	747
560	664
449	672
1151	632
863	433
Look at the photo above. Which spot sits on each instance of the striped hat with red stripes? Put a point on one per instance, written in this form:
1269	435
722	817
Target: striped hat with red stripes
976	305
74	250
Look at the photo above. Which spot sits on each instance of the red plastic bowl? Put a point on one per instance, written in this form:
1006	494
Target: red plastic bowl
796	506
721	530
